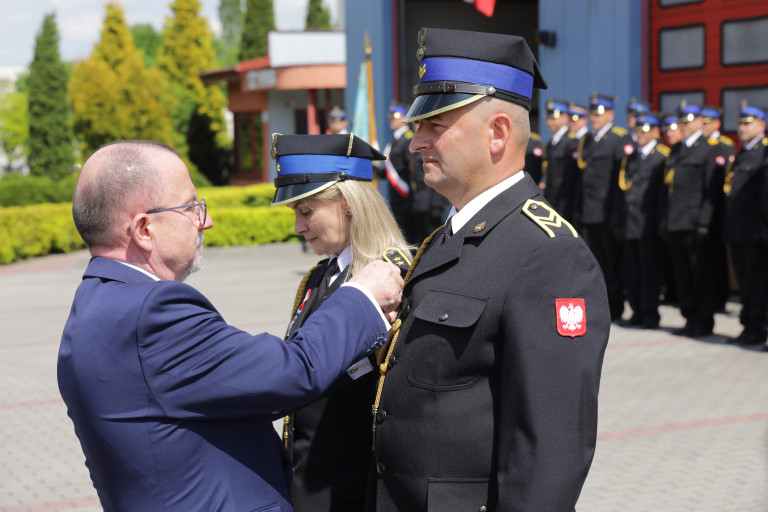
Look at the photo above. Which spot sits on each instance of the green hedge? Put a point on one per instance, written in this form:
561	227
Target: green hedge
239	215
18	190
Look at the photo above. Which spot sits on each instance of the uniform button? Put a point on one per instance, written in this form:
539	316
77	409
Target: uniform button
443	317
483	508
406	309
392	360
381	468
381	415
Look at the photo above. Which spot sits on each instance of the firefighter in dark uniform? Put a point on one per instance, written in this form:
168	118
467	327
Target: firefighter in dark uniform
641	180
635	107
488	393
693	191
600	156
725	151
399	165
745	226
326	180
533	157
578	126
560	169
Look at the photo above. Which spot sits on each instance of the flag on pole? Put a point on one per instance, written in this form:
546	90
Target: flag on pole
365	117
484	6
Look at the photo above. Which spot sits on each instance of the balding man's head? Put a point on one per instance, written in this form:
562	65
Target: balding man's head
116	179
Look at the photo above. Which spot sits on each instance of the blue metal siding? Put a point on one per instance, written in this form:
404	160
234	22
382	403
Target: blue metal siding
599	49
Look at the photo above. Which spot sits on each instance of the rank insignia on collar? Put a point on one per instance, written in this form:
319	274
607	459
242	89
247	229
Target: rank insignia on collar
571	317
479	227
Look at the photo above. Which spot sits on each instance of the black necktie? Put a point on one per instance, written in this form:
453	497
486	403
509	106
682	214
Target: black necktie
447	230
330	270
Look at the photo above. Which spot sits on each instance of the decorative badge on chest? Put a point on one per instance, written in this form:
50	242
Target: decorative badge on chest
571	317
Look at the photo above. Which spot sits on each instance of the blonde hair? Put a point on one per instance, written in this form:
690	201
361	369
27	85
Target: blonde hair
372	228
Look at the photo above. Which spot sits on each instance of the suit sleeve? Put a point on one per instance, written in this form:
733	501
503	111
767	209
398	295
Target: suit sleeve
196	365
713	189
548	403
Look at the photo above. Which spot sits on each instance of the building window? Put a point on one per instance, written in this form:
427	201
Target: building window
745	41
681	48
669	101
668	3
732	98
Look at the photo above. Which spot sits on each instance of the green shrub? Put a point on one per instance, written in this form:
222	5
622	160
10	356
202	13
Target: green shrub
251	195
37	230
18	190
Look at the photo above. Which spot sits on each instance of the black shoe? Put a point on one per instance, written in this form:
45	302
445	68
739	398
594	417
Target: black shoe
751	338
634	321
699	332
683	331
650	323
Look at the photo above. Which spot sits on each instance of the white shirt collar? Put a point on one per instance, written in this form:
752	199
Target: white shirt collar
477	204
400	131
150	274
646	150
603	131
690	140
754	141
715	135
559	135
581	132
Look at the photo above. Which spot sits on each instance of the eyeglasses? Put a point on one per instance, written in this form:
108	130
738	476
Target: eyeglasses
200	210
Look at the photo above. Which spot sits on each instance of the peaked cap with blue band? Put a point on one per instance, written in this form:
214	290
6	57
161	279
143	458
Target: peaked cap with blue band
635	107
557	108
576	111
645	121
688	111
710	113
748	113
599	103
459	67
307	164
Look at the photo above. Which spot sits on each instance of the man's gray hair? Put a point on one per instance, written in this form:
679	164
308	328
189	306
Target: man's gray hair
123	170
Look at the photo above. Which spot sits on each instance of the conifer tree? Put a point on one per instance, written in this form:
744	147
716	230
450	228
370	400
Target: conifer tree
185	52
51	150
147	40
115	96
232	17
259	19
318	16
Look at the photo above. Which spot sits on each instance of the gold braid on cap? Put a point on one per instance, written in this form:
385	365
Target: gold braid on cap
351	140
384	353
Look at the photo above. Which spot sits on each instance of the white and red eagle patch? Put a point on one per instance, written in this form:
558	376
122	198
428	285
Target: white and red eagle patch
720	160
537	151
571	316
628	149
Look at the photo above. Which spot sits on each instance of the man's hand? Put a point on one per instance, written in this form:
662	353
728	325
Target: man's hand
383	280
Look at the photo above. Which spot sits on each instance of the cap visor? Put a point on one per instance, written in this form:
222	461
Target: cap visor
428	105
291	193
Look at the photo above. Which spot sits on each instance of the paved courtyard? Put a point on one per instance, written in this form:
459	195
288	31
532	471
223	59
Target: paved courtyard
683	422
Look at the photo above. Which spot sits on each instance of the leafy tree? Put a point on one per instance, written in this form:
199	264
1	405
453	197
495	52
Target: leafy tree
14	126
318	16
147	39
232	17
115	96
51	150
259	19
185	52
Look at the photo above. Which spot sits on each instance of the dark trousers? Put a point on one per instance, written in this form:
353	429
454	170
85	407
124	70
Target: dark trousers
607	251
694	282
750	260
641	278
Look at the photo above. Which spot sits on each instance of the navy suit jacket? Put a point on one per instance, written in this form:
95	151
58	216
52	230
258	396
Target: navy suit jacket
174	408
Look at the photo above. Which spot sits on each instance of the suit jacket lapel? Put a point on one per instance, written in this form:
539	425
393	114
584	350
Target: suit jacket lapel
482	223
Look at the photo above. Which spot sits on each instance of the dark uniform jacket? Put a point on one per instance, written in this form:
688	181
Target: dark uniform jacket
331	438
599	162
693	188
533	157
742	190
561	174
641	181
485	404
402	161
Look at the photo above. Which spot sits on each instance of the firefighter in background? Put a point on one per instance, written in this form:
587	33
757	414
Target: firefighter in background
560	170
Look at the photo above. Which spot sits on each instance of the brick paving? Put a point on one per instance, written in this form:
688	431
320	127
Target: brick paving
683	422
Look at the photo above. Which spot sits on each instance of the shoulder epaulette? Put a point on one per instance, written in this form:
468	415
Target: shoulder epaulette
664	150
713	142
535	136
618	130
571	135
547	218
765	141
726	141
409	134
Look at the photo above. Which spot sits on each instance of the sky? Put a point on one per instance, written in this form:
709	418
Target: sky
80	22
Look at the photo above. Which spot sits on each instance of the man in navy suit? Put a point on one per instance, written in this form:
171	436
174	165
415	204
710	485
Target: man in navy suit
172	406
